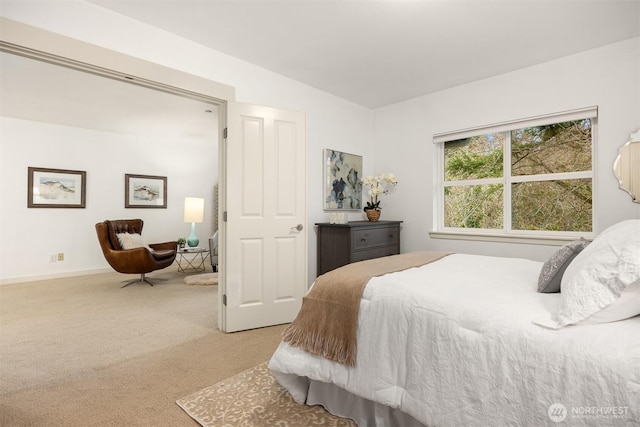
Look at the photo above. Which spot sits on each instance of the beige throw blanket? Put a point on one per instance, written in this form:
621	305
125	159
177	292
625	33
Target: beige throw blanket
328	320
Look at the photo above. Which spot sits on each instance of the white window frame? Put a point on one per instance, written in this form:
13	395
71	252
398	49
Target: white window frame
506	234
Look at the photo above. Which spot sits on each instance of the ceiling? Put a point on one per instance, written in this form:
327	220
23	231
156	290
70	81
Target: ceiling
44	92
378	52
370	52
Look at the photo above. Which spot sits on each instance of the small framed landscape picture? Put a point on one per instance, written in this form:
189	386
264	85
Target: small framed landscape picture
55	188
342	186
145	191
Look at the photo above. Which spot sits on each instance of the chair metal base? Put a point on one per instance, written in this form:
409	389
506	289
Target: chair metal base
142	279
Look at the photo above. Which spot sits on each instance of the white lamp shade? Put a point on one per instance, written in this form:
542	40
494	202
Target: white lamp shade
193	209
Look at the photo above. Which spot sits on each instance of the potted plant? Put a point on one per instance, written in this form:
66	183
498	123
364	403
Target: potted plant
181	242
378	185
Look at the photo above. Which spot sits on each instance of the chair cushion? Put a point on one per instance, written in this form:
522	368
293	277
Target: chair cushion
163	254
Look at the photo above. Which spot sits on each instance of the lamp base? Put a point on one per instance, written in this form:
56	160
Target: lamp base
193	241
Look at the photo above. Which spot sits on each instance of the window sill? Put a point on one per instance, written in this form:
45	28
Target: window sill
504	238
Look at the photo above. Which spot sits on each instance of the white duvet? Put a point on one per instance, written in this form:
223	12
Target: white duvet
452	343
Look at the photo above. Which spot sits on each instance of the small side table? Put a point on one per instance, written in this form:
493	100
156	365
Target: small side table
192	258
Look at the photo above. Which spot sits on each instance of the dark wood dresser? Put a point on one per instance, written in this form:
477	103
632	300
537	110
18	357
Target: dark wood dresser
341	244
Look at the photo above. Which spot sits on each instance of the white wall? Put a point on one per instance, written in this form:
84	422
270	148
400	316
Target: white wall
331	122
398	137
608	77
31	235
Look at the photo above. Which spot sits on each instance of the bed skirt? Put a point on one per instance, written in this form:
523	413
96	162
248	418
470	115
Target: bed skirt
363	411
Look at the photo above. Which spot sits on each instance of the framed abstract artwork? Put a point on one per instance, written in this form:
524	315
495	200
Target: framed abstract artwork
342	186
55	188
145	191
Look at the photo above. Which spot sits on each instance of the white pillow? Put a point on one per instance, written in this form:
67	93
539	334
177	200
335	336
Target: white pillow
628	305
598	275
131	241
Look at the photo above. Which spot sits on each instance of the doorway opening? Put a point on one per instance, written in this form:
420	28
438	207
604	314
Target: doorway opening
80	116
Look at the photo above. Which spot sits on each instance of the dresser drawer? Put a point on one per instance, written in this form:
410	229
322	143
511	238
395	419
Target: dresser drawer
341	244
370	238
375	253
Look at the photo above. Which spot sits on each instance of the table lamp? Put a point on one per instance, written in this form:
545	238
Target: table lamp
193	213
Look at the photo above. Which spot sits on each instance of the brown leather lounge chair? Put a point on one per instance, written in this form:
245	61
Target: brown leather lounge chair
133	261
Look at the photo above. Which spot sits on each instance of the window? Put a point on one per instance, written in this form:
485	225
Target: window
532	177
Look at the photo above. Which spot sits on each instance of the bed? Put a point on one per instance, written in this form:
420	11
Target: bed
468	340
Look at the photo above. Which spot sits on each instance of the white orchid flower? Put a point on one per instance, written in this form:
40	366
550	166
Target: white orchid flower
380	184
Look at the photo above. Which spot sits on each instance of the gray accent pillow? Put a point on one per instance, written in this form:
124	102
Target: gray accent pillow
552	270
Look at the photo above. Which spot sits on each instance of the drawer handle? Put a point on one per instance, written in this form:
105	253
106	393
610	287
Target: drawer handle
363	240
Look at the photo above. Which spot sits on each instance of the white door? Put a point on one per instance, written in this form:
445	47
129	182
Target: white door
263	275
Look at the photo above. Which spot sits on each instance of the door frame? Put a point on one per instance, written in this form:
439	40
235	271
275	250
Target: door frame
35	43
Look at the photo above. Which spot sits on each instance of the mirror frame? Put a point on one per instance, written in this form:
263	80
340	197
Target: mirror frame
634	138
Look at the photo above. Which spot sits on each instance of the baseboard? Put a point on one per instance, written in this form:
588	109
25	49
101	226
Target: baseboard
24	279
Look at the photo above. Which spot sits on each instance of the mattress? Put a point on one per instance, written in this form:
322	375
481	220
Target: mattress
453	343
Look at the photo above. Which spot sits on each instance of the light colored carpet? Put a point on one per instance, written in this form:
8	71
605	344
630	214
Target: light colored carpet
254	398
53	329
82	351
204	279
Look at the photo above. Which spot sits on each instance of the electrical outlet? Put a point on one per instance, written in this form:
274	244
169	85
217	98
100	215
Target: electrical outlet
53	258
60	256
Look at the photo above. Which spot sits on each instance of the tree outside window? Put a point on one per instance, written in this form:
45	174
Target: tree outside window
536	178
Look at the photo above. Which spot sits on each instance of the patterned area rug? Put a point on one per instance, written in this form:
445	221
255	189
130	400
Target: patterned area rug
205	279
254	398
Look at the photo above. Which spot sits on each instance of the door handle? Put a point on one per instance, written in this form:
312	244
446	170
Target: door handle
298	227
